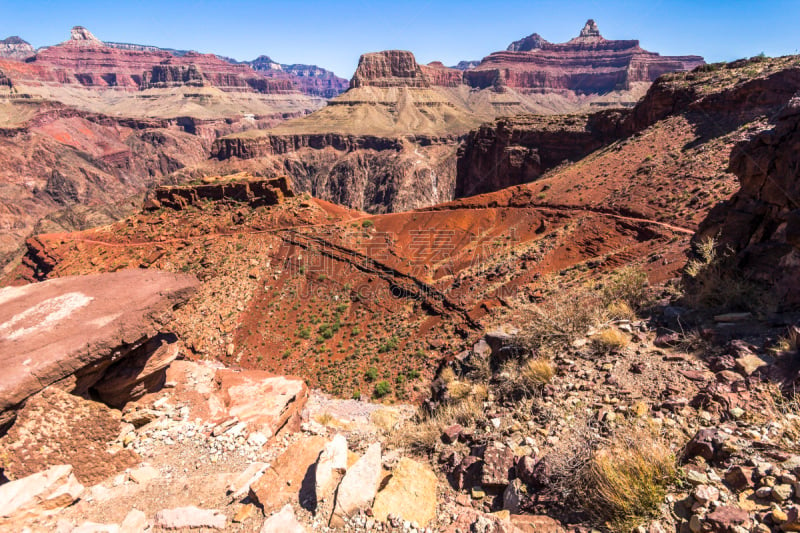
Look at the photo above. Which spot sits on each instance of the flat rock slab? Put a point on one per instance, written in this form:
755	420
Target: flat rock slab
52	330
57	428
331	465
358	486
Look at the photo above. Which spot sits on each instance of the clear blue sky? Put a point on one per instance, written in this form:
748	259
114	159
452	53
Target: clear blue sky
334	34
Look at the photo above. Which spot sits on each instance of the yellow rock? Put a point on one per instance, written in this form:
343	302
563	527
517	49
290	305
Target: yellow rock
409	494
505	514
244	512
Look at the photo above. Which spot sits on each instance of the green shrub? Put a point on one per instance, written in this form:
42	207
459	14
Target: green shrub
382	388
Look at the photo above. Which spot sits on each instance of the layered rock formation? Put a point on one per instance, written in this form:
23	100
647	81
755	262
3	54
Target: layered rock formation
396	108
86	61
75	331
588	64
240	189
392	68
309	79
518	150
15	48
84	125
87	162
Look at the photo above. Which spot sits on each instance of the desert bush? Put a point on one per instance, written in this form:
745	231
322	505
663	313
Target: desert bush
714	282
382	388
620	310
626	480
422	434
627	284
610	340
561	319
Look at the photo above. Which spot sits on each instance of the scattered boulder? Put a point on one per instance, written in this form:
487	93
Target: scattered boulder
55	428
705	443
725	518
332	464
409	494
143	475
739	477
190	517
241	484
750	363
38	494
264	401
358	487
283	521
450	434
142	371
512	496
498	466
469	519
135	522
537	524
282	481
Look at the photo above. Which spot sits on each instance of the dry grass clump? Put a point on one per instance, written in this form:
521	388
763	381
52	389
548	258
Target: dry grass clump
324	418
620	310
525	378
790	342
610	340
627	285
627	479
784	410
423	434
562	318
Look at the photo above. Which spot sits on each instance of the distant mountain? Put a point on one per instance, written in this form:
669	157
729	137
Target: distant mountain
311	79
308	79
15	48
466	65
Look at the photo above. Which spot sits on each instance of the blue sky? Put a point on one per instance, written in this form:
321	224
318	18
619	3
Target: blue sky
334	34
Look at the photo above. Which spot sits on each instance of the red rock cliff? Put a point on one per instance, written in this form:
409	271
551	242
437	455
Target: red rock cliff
86	61
588	63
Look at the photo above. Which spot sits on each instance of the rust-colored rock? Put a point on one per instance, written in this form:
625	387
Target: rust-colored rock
265	401
761	223
242	189
520	149
85	61
290	477
56	428
40	494
588	63
71	330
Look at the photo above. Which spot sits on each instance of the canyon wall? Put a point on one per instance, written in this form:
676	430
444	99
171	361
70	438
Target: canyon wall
760	224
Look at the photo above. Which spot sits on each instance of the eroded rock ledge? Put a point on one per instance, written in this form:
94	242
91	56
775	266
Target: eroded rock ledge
243	188
76	332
